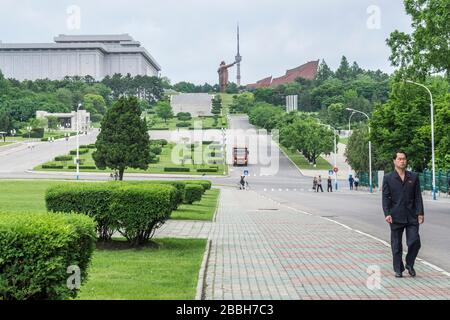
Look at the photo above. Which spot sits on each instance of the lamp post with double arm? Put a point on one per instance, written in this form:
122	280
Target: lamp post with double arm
434	191
370	147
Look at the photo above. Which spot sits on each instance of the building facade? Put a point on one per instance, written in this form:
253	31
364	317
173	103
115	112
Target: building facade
68	121
97	56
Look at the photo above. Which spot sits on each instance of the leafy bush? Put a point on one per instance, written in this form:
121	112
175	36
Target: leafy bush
36	251
177	169
183	124
64	158
194	192
156	149
91	199
138	211
180	187
184	116
133	210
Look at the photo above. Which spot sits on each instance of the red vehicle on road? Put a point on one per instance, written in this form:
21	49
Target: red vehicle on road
240	156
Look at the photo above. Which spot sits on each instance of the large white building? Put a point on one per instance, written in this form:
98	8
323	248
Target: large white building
76	55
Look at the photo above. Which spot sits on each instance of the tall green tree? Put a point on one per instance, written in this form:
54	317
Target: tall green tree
123	141
344	72
164	110
426	50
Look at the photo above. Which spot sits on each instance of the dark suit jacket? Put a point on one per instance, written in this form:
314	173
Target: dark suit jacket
402	199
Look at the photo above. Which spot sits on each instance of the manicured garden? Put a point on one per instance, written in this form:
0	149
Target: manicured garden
162	162
127	263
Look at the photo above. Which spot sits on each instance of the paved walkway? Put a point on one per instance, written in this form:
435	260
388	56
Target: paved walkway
263	250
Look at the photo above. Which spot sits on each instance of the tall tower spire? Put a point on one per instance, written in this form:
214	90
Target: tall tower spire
238	59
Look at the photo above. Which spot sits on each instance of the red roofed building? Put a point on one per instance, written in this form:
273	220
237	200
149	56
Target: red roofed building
307	71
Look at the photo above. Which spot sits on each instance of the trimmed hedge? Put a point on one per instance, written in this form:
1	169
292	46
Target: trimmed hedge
207	170
52	166
183	124
88	146
37	249
180	187
82	167
194	192
133	210
82	151
177	169
206	184
64	158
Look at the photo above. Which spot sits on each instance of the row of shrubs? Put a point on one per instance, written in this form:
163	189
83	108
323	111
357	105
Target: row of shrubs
80	151
38	252
187	169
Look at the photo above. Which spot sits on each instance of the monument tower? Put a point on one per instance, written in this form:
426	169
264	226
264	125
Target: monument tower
238	60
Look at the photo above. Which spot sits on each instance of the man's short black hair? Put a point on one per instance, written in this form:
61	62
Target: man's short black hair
394	155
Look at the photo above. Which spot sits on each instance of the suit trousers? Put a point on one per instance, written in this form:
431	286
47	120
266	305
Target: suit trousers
412	241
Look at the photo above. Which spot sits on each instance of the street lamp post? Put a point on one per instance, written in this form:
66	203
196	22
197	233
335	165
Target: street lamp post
78	142
224	139
370	148
432	135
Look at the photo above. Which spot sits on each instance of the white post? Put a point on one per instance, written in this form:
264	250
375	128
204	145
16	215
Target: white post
335	161
78	143
434	191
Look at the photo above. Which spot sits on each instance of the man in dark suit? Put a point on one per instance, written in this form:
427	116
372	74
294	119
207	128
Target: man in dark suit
403	210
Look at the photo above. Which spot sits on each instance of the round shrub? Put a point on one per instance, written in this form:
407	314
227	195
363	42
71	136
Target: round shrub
36	251
155	149
193	193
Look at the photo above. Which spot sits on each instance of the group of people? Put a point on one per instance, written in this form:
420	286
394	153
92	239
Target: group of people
353	182
317	184
114	176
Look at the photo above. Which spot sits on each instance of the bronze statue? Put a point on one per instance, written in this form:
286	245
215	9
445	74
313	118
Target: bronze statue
223	75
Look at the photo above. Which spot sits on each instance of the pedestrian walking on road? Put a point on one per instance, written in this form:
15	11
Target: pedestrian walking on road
242	183
351	181
330	185
319	184
314	183
403	210
356	183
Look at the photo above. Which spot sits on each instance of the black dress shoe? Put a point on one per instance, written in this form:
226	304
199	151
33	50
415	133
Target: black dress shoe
398	275
411	271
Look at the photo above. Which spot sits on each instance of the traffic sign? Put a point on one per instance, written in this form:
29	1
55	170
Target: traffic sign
246	173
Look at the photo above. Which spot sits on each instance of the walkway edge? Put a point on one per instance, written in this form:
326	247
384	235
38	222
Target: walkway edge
201	284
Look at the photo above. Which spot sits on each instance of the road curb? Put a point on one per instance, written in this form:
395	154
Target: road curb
201	284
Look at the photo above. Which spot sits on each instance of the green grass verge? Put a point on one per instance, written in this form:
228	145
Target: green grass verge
171	124
343	140
168	270
203	210
5	143
302	163
165	160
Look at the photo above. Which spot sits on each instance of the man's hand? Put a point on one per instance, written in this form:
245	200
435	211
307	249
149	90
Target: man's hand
388	219
421	219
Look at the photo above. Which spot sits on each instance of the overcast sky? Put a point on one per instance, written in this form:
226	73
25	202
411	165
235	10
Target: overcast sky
189	38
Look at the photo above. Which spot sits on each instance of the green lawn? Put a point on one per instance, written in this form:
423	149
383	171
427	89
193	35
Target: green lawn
165	160
302	163
171	124
29	196
203	210
164	271
5	143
